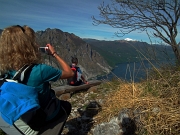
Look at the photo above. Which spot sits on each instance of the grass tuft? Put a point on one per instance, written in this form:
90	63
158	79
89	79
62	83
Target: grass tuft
156	100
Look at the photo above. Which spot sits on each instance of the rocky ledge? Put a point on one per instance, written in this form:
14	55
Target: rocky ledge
86	104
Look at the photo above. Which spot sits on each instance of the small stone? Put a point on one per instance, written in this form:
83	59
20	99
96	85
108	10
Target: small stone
65	96
93	89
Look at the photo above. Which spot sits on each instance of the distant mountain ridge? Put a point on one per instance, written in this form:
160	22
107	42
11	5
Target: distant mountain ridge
69	45
99	56
121	51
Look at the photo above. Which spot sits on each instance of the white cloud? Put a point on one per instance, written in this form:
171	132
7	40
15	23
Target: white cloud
129	39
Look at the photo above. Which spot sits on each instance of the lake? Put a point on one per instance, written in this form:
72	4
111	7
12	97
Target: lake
134	71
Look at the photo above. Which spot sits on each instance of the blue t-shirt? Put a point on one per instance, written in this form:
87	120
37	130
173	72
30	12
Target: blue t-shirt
39	77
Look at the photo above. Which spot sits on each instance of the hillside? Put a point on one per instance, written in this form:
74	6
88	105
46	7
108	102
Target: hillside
121	51
69	45
149	107
97	57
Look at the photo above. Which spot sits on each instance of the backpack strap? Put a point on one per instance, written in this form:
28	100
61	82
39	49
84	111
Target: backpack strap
20	74
2	80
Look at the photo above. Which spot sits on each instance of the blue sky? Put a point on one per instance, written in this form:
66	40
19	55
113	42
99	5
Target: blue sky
72	16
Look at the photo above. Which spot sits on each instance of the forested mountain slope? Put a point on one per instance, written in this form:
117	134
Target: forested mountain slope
121	51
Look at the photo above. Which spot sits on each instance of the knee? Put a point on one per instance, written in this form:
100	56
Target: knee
67	106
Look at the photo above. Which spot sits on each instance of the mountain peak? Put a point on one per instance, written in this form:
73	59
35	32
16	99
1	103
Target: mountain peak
129	39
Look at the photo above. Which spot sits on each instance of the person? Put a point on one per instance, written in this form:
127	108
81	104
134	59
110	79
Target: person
18	47
79	79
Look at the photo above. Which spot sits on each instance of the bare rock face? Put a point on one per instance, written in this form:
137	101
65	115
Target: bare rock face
69	45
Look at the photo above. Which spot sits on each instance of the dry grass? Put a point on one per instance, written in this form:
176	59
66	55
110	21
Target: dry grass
156	101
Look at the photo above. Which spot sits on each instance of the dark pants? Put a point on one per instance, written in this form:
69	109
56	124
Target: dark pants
77	83
64	111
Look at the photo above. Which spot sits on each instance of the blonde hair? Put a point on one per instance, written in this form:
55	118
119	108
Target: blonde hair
18	47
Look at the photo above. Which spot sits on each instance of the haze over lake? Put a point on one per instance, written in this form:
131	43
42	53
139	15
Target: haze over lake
134	71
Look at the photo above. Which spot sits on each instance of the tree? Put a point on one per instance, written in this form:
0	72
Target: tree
160	16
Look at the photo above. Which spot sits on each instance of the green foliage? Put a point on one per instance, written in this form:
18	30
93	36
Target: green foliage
93	96
115	52
83	108
150	89
2	133
111	59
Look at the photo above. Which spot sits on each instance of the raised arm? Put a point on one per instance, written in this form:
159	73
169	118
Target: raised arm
66	70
